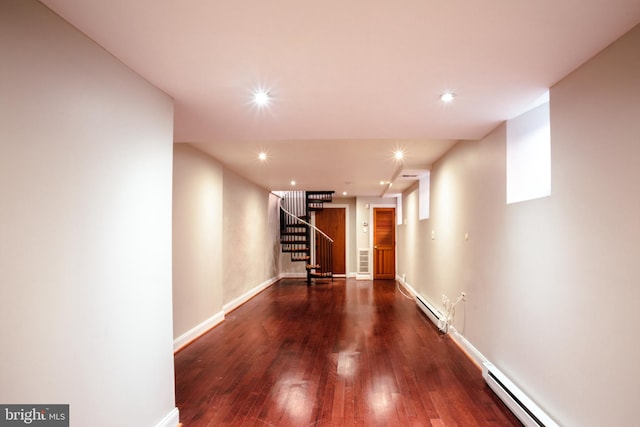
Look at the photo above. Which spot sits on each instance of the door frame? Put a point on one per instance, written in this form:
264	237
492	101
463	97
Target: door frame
395	247
347	240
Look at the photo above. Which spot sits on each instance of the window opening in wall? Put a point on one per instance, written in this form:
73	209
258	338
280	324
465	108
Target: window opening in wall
529	155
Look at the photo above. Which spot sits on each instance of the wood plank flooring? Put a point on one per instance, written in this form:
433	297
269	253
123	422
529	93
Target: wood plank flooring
341	353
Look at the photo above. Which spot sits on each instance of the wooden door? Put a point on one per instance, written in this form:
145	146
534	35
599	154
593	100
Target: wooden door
384	243
332	221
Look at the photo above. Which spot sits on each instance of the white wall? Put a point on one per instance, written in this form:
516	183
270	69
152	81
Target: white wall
551	286
197	243
85	226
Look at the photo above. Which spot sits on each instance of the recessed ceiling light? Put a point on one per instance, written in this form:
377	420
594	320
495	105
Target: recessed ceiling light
382	183
447	97
398	155
262	156
344	193
293	183
261	97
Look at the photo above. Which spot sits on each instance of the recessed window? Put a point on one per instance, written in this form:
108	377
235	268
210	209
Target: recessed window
529	155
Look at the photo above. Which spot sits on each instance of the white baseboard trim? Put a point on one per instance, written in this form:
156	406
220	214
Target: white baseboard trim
407	286
471	352
197	331
171	420
232	305
364	276
200	329
464	344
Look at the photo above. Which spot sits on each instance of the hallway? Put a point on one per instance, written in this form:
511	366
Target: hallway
337	353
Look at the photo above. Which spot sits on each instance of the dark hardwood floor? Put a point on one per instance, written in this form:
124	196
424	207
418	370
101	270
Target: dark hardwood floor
333	354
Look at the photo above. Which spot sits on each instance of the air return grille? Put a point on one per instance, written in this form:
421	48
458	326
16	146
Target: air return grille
363	261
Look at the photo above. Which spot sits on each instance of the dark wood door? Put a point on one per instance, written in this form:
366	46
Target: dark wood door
332	221
384	243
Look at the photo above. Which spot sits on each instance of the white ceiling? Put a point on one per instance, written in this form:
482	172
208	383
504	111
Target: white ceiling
351	80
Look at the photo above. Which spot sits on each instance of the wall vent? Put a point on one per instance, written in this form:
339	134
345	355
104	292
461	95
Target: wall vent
363	261
522	407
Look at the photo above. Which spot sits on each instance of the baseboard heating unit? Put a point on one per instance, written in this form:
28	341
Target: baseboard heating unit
522	407
431	312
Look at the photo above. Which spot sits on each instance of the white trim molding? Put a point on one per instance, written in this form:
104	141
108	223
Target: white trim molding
197	331
171	420
232	305
528	412
471	352
202	328
403	282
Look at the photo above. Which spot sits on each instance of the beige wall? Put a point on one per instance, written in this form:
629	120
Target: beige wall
197	240
85	227
251	254
551	286
225	241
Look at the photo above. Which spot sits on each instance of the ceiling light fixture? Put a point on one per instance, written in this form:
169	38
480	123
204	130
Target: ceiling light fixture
293	183
447	97
262	156
261	97
398	155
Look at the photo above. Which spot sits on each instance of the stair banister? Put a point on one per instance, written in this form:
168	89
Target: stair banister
306	223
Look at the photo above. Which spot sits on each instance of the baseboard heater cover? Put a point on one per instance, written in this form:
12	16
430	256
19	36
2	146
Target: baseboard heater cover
522	407
431	312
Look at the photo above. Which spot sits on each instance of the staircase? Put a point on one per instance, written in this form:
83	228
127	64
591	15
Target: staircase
300	238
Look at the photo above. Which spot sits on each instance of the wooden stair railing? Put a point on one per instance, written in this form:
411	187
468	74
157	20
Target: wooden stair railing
300	238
